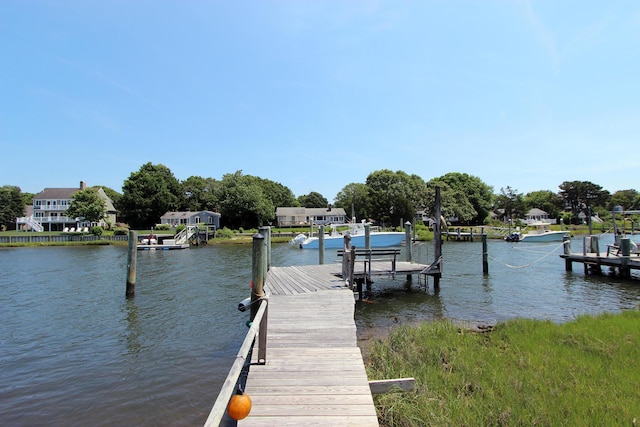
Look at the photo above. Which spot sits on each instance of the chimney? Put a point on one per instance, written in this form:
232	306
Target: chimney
83	185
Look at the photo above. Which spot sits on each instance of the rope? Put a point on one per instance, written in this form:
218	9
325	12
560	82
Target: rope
555	248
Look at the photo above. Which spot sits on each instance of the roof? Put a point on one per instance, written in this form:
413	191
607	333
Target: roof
187	214
290	211
56	193
536	212
108	203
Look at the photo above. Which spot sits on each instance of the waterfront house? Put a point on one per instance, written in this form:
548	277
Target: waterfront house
538	215
191	218
48	211
297	216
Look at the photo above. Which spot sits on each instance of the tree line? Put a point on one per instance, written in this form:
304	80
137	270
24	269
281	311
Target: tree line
386	196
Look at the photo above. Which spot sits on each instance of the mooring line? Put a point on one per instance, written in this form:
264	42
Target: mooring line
531	263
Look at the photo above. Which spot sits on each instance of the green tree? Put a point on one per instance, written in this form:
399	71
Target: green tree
243	202
511	203
200	194
313	200
87	205
479	194
148	194
579	196
354	199
628	199
11	206
279	195
453	202
392	197
27	199
546	200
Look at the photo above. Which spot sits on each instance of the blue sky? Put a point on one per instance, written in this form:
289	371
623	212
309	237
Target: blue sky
318	94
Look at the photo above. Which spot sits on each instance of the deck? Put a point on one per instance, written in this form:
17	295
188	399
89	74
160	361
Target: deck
314	374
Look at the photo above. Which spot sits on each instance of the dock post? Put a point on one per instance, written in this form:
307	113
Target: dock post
321	245
266	232
367	236
257	272
485	255
595	245
438	240
346	261
625	252
407	240
566	246
132	256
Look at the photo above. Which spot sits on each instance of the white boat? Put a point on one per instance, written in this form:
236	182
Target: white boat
335	240
540	233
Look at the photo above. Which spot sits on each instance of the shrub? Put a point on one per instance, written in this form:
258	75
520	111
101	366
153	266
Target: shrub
121	231
97	230
162	227
224	232
180	228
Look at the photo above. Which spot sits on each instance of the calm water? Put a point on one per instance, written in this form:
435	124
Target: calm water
74	351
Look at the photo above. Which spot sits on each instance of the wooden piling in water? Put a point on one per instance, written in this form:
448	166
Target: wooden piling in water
258	272
132	256
266	232
566	247
437	240
407	240
321	245
485	255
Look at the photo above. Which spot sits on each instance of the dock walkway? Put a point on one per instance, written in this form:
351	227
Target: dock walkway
314	372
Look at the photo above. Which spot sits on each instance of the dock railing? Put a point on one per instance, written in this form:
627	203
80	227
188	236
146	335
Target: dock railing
261	254
230	386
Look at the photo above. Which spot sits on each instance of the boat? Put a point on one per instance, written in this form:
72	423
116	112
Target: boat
151	243
335	240
540	233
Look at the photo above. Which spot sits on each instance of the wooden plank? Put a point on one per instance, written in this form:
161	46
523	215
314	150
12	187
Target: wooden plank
333	421
385	386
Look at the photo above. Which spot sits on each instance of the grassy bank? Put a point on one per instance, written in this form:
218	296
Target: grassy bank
523	372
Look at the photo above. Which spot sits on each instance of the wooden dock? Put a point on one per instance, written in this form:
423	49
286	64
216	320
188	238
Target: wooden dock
314	373
300	362
616	257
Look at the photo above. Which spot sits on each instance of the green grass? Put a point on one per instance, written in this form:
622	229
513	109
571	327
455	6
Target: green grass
524	372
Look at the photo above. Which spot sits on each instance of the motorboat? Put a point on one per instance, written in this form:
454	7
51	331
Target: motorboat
335	239
540	232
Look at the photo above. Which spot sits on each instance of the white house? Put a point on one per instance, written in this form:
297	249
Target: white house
48	211
292	216
538	215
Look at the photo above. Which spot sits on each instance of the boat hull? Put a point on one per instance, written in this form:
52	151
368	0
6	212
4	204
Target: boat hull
550	236
378	240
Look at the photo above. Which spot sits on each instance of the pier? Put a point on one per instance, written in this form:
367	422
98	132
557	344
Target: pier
300	363
618	257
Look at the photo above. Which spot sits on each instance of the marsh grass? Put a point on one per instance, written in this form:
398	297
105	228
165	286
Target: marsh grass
523	372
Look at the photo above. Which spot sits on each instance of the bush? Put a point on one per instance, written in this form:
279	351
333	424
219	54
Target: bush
224	232
97	230
162	227
121	231
180	228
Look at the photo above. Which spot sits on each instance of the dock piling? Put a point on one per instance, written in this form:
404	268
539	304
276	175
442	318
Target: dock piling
257	272
321	245
566	247
132	256
485	255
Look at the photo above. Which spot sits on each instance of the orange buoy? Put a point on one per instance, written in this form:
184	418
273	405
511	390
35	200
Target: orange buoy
239	406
